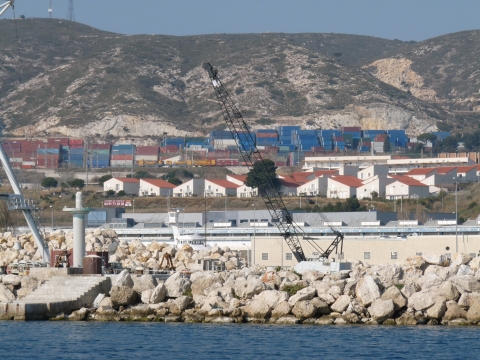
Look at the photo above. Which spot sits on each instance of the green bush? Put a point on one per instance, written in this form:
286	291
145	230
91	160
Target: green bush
49	182
293	289
121	193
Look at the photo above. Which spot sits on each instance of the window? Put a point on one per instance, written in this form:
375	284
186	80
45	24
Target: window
264	256
117	186
366	255
264	220
243	221
288	256
393	255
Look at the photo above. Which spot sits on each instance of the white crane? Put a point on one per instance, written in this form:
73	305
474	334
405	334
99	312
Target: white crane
4	7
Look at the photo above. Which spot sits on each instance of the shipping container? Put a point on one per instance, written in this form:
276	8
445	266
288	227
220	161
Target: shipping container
122	157
227	162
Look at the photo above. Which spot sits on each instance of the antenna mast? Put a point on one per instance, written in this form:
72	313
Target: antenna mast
71	11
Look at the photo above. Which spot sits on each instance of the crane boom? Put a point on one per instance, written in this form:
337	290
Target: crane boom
246	145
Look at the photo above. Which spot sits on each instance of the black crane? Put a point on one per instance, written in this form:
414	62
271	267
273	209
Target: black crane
246	145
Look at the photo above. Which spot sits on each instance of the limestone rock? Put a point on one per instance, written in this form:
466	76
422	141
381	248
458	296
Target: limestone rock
122	296
392	293
381	310
158	294
11	279
438	309
415	261
176	285
461	259
272	278
350	287
436	259
367	290
312	276
388	275
409	288
248	288
281	309
287	320
201	280
467	299
475	263
79	315
307	293
123	279
406	319
143	283
454	312
303	309
428	281
465	283
421	300
321	306
146	295
448	290
272	297
179	304
341	304
442	272
257	309
6	295
473	314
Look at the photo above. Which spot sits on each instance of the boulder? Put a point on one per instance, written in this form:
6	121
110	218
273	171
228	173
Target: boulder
406	319
6	295
179	305
438	309
410	288
350	286
281	309
307	293
312	275
414	261
473	314
11	279
467	299
341	304
465	270
248	288
392	293
454	312
321	306
428	281
436	259
367	290
176	285
380	310
304	309
465	283
460	259
448	291
143	283
106	302
201	280
158	294
146	295
123	279
98	300
123	296
388	275
272	278
442	272
257	310
29	282
272	297
475	263
422	300
288	275
327	298
79	315
356	308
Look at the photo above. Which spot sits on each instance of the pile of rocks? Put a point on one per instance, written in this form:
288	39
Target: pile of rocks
424	290
131	254
13	287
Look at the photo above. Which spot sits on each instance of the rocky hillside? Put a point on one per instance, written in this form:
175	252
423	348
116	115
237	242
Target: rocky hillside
64	78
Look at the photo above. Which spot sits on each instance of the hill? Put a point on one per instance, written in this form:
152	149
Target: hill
65	78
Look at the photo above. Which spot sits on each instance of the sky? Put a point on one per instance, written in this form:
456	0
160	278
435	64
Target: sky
392	19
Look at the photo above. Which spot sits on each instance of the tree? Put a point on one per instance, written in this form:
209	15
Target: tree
426	137
76	183
175	181
110	193
259	176
49	182
103	179
386	145
121	193
374	195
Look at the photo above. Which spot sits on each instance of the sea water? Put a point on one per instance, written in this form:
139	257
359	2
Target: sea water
120	340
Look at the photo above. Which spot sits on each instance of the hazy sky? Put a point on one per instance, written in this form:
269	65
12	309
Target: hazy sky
400	19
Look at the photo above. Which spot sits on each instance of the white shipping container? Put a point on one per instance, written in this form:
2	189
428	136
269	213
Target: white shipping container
146	157
33	163
12	159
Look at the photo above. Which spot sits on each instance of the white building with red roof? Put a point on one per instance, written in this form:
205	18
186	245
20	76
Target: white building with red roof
376	183
404	187
192	187
155	187
342	186
242	190
214	187
129	185
467	173
371	171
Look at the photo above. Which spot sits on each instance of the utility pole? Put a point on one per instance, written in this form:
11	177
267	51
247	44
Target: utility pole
71	11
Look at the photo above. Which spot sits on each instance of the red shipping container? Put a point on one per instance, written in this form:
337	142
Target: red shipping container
227	162
280	163
76	146
76	142
27	167
147	150
351	128
267	135
99	146
60	141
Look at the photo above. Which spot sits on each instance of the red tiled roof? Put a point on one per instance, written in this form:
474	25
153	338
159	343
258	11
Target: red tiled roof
409	181
445	169
421	171
287	183
239	177
224	183
127	180
160	183
465	169
319	173
348	180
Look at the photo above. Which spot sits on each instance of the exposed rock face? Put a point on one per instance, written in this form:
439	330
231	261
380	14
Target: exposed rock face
341	304
392	293
124	279
367	290
143	283
421	300
6	295
176	285
436	259
158	294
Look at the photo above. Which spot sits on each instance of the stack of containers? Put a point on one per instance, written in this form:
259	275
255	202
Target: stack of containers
245	140
147	155
76	157
338	143
352	136
179	142
325	138
194	143
29	152
285	134
76	144
365	145
371	134
49	156
222	139
52	143
378	142
398	138
99	155
13	149
122	155
267	137
304	139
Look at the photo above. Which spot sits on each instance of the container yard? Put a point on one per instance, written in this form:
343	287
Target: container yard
285	145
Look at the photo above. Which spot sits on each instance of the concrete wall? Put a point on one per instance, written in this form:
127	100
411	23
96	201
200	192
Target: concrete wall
355	248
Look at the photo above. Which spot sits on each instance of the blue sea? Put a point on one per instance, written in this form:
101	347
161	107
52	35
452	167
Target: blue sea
118	340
